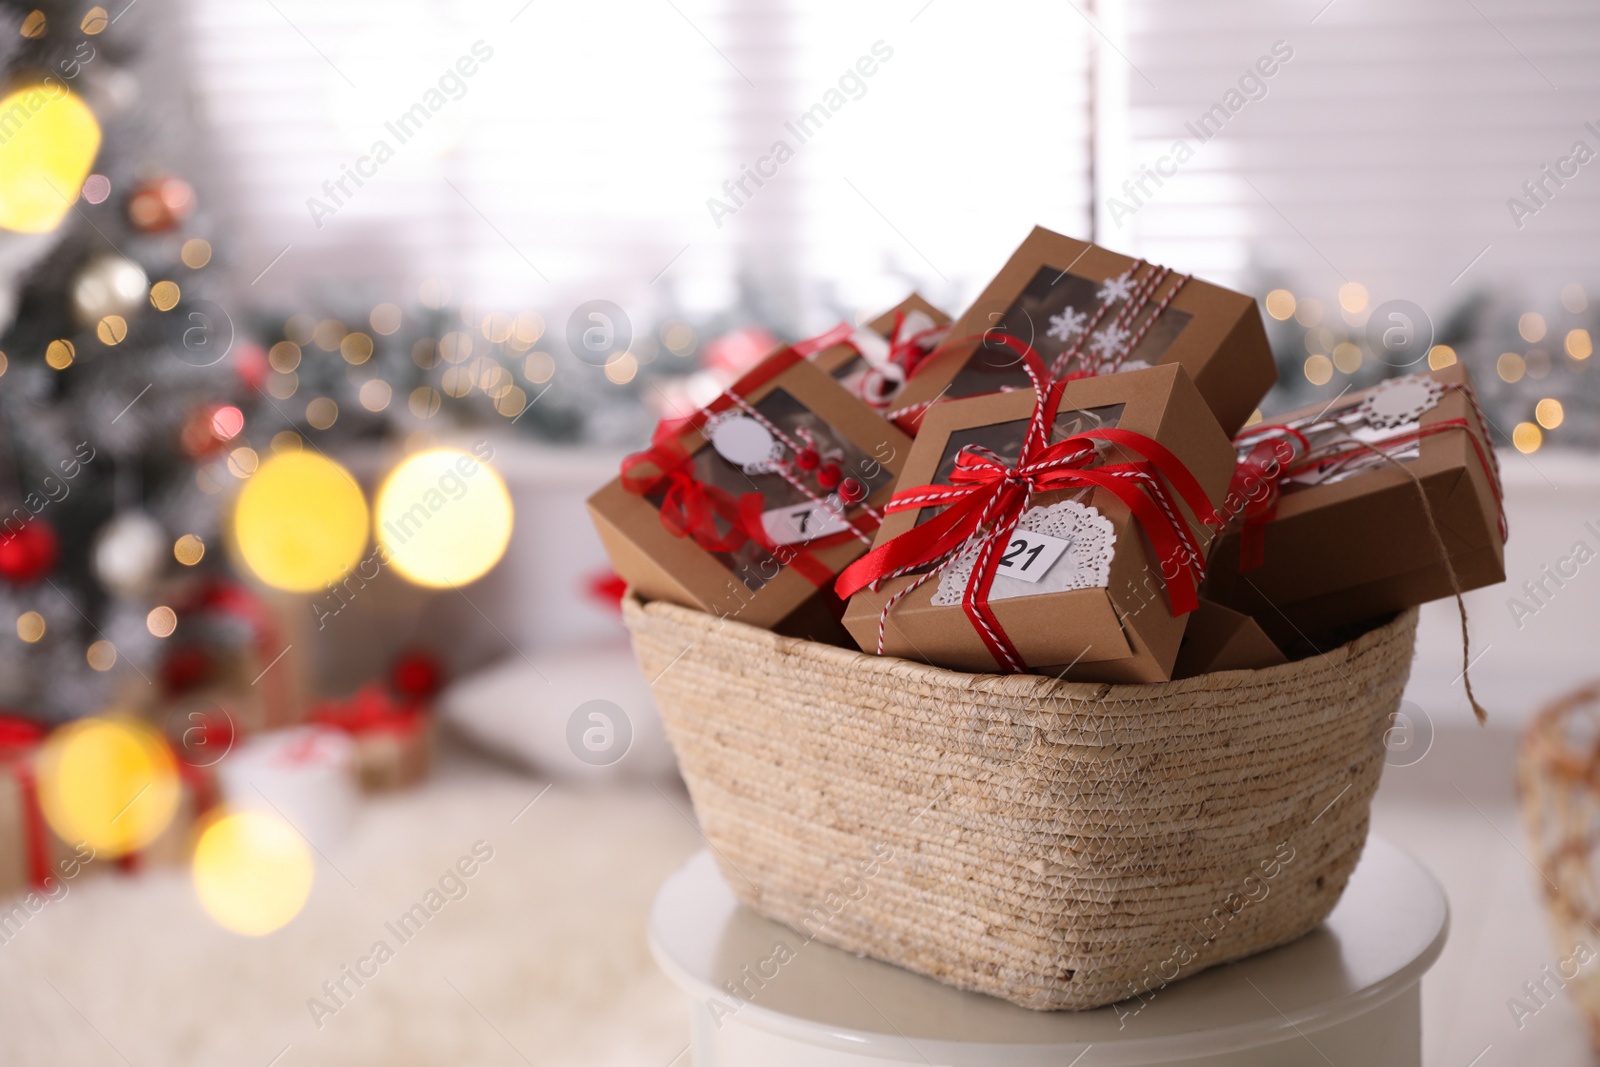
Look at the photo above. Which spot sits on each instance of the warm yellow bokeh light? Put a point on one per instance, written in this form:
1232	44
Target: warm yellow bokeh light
1352	296
1531	326
111	782
1527	437
51	141
112	330
300	521
375	394
322	413
1280	305
252	872
1319	370
30	626
1347	357
443	517
164	295
1511	367
1549	413
189	549
356	348
161	622
196	253
621	368
101	656
60	354
1579	344
1441	356
385	319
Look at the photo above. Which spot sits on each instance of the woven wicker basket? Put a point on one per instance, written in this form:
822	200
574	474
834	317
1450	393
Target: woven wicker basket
1058	845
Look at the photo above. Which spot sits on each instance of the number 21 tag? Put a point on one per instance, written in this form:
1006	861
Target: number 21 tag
1028	555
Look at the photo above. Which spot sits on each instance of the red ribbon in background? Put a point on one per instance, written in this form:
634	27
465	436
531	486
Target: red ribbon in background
370	710
986	497
19	738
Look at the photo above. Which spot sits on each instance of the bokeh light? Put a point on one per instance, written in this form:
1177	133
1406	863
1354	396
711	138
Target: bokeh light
252	872
196	253
1579	344
1511	367
161	622
444	517
1319	370
45	159
1527	437
110	781
1280	305
30	626
1441	356
300	522
1549	413
1352	297
164	295
189	549
1531	326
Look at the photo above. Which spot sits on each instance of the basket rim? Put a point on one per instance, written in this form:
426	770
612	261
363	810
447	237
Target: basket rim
1019	685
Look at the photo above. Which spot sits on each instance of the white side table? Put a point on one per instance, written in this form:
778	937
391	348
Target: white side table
1347	994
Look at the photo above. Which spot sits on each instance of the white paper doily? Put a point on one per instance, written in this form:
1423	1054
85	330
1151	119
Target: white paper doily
1399	401
1085	565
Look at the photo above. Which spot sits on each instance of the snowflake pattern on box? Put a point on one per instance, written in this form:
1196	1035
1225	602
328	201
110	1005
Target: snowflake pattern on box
1086	564
1068	324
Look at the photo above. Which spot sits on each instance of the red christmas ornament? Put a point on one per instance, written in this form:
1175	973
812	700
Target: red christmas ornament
807	459
160	204
852	491
829	475
28	553
416	676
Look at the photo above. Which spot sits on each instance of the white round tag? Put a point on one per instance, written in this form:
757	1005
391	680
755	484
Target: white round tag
742	440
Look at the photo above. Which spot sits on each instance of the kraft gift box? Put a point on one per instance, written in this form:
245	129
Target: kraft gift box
1350	540
1100	612
711	517
874	361
1061	295
1221	639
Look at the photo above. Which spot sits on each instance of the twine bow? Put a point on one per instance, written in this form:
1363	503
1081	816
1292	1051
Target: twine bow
987	496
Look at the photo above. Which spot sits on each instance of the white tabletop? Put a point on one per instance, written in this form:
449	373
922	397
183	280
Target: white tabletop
1386	931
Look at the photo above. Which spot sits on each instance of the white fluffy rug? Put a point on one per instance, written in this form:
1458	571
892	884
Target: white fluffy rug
542	961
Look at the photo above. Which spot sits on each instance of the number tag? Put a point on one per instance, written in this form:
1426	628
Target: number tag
1028	555
798	523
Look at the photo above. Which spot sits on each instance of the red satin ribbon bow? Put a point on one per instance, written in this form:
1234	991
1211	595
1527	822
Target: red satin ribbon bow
986	497
689	507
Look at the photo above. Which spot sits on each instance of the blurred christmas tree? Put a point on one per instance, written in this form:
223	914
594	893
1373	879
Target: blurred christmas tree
118	379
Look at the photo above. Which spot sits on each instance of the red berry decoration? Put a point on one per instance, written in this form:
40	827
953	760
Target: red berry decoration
160	204
829	475
852	491
28	553
807	459
416	676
